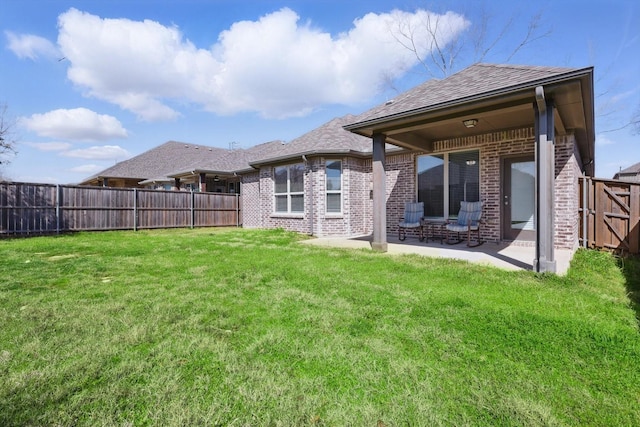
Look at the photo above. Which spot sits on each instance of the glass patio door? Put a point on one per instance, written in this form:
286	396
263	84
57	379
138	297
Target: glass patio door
518	204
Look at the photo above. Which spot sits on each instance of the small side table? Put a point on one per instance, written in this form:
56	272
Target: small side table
434	229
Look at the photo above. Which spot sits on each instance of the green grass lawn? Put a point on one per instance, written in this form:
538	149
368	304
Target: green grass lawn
240	327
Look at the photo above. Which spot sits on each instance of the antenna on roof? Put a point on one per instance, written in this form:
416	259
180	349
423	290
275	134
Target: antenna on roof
233	145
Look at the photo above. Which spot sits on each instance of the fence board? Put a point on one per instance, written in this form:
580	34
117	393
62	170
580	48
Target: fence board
611	210
27	208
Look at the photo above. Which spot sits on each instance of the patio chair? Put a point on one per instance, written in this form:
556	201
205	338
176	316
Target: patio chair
468	222
411	220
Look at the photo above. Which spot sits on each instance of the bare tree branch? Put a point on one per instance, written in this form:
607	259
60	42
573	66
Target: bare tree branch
633	123
442	59
7	135
531	36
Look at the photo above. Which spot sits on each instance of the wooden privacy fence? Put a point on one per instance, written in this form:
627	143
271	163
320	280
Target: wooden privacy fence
27	208
610	214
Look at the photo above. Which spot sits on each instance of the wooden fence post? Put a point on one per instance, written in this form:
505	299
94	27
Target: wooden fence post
135	209
193	208
58	203
600	205
634	219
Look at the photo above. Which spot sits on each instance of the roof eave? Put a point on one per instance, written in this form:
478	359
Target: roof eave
192	172
311	153
360	127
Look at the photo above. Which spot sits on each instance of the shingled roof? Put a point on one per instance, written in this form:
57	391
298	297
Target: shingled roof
476	80
158	162
330	138
497	97
632	173
236	160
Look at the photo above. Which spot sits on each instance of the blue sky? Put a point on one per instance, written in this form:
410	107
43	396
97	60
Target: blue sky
94	82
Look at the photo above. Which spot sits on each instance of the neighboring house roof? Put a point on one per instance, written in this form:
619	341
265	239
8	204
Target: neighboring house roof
173	159
632	173
156	163
236	160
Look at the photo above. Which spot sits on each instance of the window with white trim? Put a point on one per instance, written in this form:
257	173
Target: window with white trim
289	189
333	173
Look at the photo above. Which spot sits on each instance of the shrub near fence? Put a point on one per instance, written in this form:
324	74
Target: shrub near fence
27	208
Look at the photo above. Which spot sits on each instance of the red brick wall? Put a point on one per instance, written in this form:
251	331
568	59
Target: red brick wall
356	218
567	170
494	147
401	187
250	191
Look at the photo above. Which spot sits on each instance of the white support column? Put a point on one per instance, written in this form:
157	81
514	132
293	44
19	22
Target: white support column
379	242
545	183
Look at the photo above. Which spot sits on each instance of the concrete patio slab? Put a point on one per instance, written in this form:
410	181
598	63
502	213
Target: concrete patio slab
512	256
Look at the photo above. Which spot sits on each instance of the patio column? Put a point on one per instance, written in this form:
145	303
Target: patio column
379	241
176	184
545	179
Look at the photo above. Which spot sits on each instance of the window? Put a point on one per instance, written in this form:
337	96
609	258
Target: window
333	172
445	180
289	188
234	188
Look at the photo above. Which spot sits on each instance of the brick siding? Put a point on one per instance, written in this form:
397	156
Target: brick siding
357	216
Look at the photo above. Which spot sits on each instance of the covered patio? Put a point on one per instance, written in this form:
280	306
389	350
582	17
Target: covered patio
505	255
528	135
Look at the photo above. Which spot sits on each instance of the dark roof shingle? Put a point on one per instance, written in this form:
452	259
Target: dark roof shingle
473	81
160	161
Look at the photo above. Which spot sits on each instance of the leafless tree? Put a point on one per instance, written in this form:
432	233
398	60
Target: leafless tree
635	121
7	135
438	59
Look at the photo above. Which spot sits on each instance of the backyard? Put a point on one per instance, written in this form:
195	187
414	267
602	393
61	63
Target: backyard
244	327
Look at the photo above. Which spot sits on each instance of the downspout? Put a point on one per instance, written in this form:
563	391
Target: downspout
310	198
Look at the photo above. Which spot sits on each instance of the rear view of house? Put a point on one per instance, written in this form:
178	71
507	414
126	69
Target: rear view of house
515	138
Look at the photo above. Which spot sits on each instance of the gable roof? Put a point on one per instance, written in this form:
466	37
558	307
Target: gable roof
477	80
501	96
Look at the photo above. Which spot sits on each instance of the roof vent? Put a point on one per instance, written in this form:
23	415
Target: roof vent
196	147
389	102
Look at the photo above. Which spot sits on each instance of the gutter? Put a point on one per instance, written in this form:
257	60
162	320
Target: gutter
309	153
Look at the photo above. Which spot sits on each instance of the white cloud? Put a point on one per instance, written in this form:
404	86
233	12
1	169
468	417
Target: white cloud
50	146
602	140
104	152
86	169
31	46
274	66
78	124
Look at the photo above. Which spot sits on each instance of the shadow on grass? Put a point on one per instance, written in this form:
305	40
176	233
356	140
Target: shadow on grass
630	266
